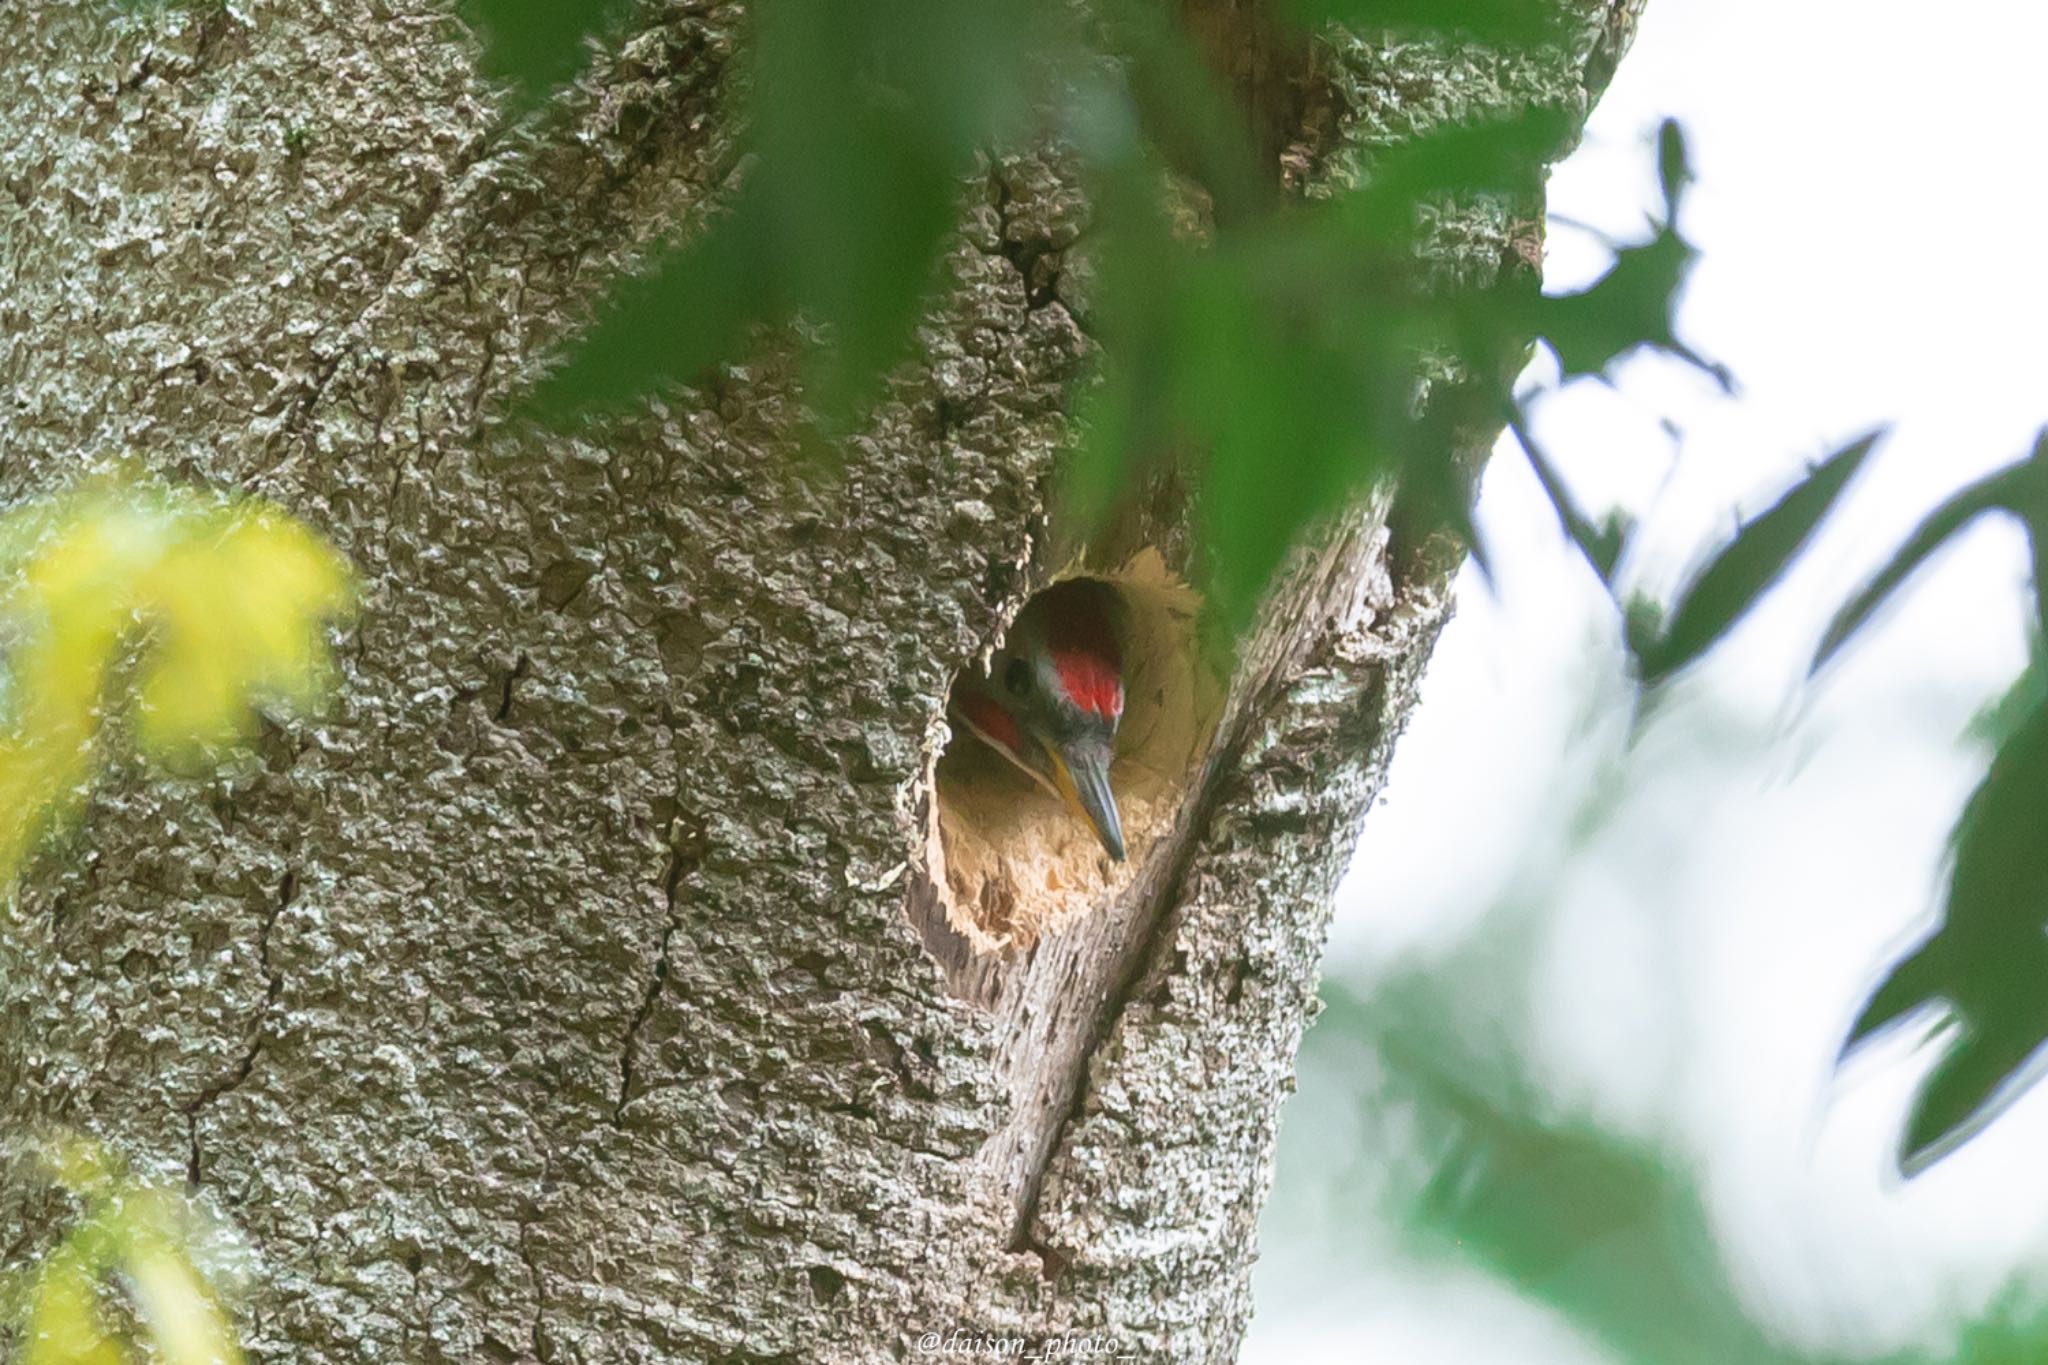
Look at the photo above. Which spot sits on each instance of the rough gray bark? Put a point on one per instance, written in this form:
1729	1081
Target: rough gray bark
561	996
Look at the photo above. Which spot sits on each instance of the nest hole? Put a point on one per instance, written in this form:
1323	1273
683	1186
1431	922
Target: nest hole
1010	861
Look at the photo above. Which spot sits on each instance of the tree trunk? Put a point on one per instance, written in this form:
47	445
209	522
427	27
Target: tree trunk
588	985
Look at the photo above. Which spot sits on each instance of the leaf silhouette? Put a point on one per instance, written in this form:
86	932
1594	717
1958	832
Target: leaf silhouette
1674	167
1987	962
1741	573
1935	530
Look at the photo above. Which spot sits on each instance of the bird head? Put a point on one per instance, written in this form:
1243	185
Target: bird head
1053	697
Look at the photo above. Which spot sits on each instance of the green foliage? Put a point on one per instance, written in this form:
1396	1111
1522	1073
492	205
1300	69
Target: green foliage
865	121
1234	356
1632	305
1276	349
227	594
1601	543
1979	977
1987	962
133	1232
1737	577
540	43
1999	490
1611	1232
2003	717
1510	23
1629	307
1981	973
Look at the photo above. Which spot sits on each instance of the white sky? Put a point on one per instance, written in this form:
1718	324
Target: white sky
1870	207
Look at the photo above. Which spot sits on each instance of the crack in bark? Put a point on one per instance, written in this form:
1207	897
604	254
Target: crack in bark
413	223
513	675
1024	256
1138	958
273	988
415	1265
536	1326
679	858
1340	569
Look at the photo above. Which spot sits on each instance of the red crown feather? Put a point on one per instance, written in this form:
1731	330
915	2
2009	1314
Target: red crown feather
1084	652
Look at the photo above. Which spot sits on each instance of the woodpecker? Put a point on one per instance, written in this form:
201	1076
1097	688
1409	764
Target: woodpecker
1053	697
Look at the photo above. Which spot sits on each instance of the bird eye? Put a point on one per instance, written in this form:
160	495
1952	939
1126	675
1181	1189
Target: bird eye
1017	677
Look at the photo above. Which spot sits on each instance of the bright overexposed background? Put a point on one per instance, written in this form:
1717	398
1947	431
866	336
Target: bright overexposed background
1717	894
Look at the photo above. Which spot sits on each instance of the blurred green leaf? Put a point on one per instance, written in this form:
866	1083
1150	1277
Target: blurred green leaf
1234	357
676	323
1600	542
539	43
866	120
1674	168
1987	961
1184	110
1123	422
1912	983
1287	401
1942	524
1601	1228
1975	1082
2008	713
1610	1231
1634	303
1501	154
1629	307
1278	352
1284	356
1642	624
1745	569
1436	493
1509	23
2030	500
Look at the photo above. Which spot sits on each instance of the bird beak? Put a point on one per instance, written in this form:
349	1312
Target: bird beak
1082	773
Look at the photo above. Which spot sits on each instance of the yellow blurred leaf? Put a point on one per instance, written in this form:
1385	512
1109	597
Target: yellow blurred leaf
64	1326
134	1232
240	614
229	594
185	1324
